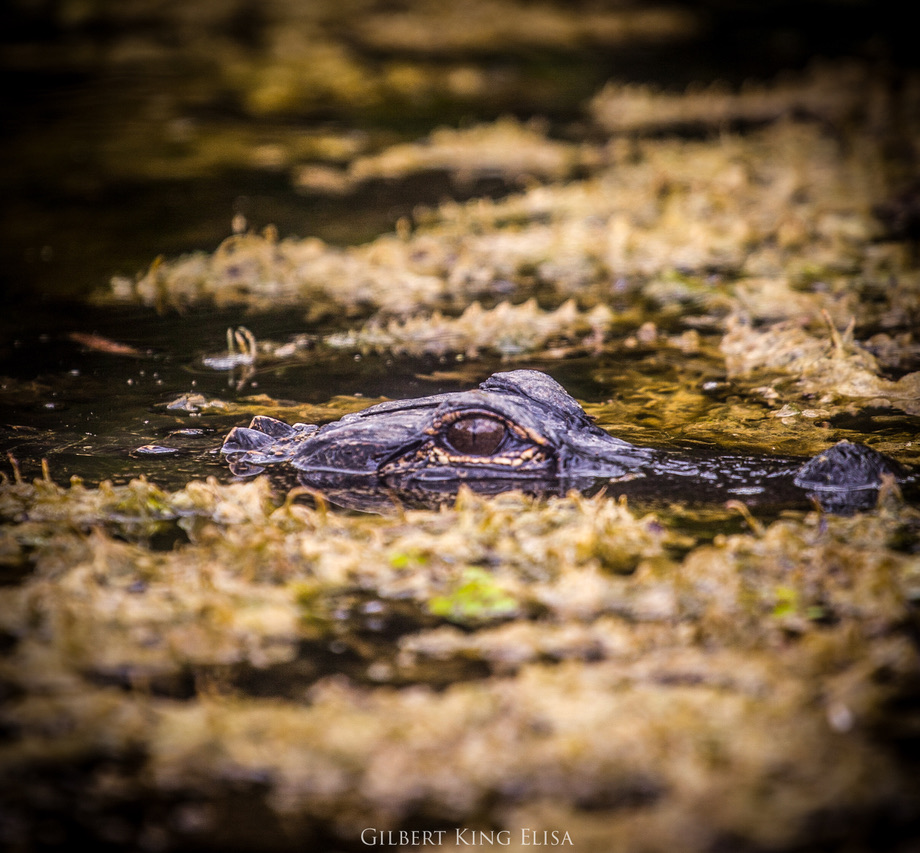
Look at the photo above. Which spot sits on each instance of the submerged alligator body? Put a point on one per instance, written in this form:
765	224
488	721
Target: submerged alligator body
522	430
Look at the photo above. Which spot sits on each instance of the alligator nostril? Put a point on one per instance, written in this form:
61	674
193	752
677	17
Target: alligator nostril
475	436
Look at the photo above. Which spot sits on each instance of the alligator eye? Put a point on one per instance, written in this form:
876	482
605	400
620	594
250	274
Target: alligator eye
475	436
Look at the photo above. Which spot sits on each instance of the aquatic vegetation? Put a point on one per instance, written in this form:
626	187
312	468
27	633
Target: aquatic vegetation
623	672
504	148
251	568
217	664
506	329
475	599
835	92
769	211
832	369
262	271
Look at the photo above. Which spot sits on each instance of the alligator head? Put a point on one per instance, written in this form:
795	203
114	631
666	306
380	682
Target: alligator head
519	427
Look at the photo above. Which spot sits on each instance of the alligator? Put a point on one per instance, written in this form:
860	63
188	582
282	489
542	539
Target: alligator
521	430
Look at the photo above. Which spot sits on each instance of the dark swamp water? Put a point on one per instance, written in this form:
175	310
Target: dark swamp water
701	219
126	142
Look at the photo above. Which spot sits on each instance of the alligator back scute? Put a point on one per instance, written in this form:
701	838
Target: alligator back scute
847	467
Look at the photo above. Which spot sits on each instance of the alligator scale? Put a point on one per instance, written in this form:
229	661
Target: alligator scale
522	430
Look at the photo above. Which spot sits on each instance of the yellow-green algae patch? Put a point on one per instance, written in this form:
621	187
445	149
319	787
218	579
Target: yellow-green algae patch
474	598
610	678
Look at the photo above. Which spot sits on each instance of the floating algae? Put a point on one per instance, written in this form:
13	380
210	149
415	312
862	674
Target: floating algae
640	680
